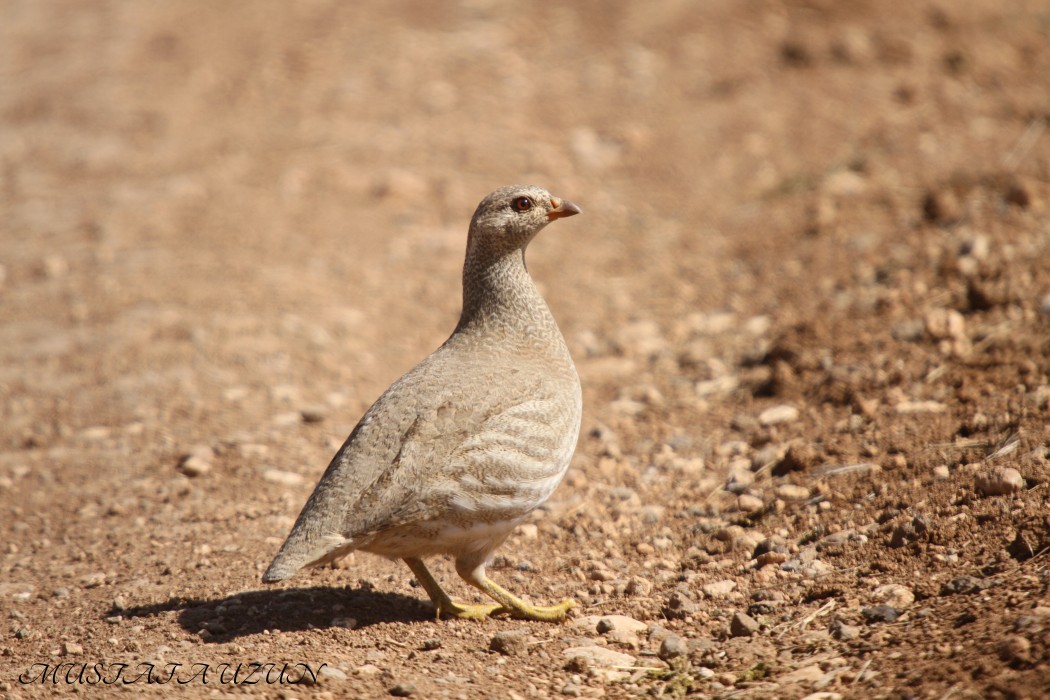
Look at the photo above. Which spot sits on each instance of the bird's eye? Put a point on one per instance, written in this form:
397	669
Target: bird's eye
522	204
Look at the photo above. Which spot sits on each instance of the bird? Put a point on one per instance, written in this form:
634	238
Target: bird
458	451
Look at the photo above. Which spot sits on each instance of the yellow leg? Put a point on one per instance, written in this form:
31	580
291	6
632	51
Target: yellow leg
474	574
518	608
444	604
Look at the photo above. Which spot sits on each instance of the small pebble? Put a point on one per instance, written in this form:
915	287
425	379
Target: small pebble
880	613
799	457
599	656
344	622
719	589
942	324
941	207
284	478
743	625
314	414
194	467
792	492
431	644
331	673
679	606
840	630
672	647
511	642
1000	482
1015	649
94	580
907	408
965	585
639	586
894	595
624	623
777	415
72	649
749	503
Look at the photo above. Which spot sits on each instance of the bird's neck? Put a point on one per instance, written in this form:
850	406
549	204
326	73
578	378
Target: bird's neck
500	296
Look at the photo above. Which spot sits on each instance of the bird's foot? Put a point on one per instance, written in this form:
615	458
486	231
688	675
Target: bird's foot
463	611
552	613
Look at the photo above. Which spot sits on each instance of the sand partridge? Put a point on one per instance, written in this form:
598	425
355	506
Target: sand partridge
462	448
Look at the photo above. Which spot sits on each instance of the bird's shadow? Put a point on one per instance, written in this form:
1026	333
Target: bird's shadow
220	620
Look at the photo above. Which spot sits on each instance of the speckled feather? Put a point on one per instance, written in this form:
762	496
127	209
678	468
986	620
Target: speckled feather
461	448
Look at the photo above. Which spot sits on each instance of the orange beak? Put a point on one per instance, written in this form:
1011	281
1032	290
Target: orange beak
560	208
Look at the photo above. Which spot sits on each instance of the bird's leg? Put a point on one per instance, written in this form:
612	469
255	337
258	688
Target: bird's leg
474	574
444	604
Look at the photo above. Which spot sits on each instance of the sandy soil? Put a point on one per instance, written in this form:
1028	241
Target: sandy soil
809	299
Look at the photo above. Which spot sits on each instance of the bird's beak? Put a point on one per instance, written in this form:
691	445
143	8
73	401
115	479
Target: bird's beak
562	208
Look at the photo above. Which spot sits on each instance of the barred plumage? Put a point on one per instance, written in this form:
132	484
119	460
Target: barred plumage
459	450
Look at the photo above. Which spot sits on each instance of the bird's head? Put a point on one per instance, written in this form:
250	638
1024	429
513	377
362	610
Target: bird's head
511	216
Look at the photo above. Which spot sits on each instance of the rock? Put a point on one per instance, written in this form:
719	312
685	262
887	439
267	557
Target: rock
743	625
1000	482
430	644
740	480
313	414
894	595
806	674
639	586
197	462
791	492
1019	193
945	324
778	415
719	589
621	623
966	585
840	630
771	558
624	638
672	647
977	246
880	613
93	580
679	606
193	467
331	673
599	656
907	408
749	503
348	623
72	649
941	472
511	642
284	478
1015	650
799	457
529	531
403	690
911	531
941	207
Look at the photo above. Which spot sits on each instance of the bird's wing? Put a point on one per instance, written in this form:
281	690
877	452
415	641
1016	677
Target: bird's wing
408	457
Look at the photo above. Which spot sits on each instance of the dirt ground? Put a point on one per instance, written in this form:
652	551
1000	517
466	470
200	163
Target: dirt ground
808	297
